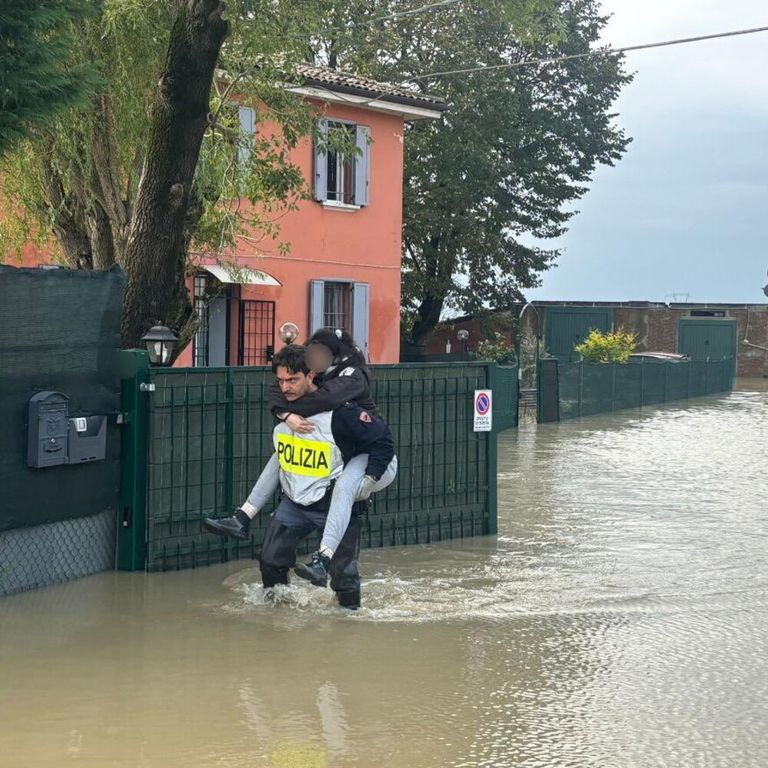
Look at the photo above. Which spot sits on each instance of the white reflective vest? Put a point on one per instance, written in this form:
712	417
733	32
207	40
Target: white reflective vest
308	463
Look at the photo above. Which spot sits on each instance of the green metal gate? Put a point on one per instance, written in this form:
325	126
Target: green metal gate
565	327
707	340
204	435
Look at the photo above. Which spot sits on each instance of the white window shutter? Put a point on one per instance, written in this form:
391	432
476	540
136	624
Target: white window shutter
316	305
321	161
362	165
361	315
247	117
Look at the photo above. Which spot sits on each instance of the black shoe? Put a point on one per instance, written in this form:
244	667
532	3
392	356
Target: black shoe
316	570
239	525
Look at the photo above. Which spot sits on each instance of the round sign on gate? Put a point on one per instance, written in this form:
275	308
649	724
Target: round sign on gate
483	404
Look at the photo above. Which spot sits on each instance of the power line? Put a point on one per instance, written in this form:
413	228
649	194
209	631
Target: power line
596	52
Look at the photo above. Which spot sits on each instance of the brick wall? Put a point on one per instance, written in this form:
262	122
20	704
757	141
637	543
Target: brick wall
655	325
656	328
479	329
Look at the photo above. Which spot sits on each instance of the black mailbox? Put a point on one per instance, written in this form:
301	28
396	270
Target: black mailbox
56	438
48	427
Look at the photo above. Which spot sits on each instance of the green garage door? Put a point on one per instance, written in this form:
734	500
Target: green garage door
569	326
707	339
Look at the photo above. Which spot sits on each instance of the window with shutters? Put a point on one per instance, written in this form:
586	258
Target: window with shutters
342	163
337	301
340	304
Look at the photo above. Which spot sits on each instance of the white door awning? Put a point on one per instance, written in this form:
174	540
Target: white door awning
236	275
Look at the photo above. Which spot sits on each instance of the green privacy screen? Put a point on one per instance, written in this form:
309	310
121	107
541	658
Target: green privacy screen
59	331
584	389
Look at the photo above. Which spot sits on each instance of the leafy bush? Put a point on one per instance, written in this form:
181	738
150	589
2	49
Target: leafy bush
496	349
614	347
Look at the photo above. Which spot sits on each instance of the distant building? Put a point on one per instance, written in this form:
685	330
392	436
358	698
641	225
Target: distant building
343	267
736	332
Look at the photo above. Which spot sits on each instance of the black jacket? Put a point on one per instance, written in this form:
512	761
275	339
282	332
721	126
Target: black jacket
337	387
356	431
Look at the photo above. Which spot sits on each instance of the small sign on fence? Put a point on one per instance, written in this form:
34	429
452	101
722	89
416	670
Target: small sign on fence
483	410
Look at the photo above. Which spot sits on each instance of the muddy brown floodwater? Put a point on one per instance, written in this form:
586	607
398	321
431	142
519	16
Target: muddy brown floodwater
619	621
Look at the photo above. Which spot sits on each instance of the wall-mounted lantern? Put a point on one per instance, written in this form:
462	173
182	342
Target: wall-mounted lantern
160	342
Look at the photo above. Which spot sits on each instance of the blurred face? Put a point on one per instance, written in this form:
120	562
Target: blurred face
318	357
294	385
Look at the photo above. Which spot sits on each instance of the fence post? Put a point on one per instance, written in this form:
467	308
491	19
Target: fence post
687	365
492	439
131	520
642	382
666	372
229	439
613	387
581	383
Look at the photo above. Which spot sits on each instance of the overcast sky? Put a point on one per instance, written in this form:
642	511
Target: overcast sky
686	210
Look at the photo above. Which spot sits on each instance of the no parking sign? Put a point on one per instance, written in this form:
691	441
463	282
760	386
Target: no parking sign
483	410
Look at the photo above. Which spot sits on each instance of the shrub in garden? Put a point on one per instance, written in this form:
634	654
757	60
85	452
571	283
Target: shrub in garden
613	347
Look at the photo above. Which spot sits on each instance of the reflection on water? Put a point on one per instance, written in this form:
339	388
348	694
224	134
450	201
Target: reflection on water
619	620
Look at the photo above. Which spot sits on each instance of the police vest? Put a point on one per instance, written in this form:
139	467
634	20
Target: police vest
308	463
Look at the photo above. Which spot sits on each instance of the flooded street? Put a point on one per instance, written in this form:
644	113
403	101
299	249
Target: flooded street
619	621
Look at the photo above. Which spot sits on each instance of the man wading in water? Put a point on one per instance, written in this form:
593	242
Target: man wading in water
308	466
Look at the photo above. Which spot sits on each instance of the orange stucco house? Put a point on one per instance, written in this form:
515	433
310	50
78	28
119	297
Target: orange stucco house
342	269
343	266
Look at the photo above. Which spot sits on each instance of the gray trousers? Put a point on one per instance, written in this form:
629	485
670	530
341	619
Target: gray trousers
344	494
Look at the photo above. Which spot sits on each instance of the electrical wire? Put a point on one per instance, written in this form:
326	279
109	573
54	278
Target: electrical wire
596	52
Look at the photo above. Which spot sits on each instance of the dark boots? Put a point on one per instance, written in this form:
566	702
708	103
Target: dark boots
316	570
238	526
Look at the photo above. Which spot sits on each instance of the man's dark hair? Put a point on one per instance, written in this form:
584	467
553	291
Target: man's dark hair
291	357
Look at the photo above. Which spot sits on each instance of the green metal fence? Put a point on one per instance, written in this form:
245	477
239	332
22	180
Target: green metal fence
196	439
584	389
505	383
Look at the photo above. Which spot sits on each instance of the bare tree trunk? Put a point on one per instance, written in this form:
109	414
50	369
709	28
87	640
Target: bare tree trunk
100	233
67	223
432	300
155	253
429	316
106	183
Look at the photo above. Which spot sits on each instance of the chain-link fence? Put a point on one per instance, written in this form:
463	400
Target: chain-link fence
55	552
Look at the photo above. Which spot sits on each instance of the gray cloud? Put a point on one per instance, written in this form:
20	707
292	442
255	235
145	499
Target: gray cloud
685	211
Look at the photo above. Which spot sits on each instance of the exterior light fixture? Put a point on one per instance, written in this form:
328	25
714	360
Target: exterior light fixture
289	332
463	337
160	342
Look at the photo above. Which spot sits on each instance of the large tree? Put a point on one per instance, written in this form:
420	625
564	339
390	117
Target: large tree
154	166
37	78
517	146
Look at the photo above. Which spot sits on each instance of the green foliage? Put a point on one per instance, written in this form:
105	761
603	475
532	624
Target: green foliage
613	347
515	149
497	349
85	167
39	72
